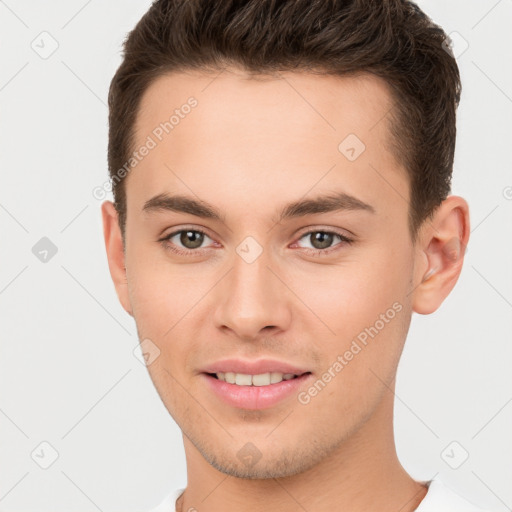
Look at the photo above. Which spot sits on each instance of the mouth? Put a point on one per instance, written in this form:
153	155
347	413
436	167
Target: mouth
255	391
261	379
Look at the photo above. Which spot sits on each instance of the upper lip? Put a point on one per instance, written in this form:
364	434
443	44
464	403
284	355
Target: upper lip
254	367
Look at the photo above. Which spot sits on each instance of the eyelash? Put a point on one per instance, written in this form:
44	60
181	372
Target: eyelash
313	252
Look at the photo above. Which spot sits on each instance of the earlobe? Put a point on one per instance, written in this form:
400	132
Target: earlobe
115	253
444	244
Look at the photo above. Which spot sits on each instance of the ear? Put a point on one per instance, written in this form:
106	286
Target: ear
440	254
115	253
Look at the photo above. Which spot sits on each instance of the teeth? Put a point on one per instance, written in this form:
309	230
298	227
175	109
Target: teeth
241	379
262	379
275	377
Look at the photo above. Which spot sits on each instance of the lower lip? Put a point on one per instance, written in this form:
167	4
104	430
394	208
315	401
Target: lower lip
255	397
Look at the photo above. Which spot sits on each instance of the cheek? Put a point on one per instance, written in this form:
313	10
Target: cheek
358	361
163	297
167	299
360	310
348	296
158	292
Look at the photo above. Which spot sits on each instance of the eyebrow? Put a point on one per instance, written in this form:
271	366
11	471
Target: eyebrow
338	201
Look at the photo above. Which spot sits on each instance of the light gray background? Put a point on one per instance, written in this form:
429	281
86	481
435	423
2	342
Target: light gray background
68	375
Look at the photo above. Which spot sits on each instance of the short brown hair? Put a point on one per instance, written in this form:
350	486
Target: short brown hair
393	39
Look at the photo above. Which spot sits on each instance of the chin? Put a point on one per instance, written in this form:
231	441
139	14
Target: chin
271	461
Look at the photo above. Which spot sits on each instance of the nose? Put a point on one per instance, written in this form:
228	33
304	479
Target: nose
252	299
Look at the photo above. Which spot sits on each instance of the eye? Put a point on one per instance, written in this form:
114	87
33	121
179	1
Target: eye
186	242
321	241
190	240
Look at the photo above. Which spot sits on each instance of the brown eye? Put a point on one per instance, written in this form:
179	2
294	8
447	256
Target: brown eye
185	241
321	239
191	239
323	242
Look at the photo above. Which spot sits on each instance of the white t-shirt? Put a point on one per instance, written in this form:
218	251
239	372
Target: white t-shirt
439	498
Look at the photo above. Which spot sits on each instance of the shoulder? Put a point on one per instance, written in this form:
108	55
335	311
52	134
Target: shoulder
442	498
168	504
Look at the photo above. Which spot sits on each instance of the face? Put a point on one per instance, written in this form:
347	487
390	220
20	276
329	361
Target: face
249	280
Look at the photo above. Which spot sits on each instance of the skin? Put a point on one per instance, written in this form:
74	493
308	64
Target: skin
249	147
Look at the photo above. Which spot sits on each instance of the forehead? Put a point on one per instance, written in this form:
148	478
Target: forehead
294	131
308	105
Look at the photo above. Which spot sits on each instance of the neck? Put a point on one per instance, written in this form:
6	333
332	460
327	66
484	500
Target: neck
362	474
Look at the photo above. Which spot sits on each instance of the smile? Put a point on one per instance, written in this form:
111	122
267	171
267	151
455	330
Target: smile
262	379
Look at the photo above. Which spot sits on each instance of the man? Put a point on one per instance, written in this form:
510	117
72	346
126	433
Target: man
281	174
